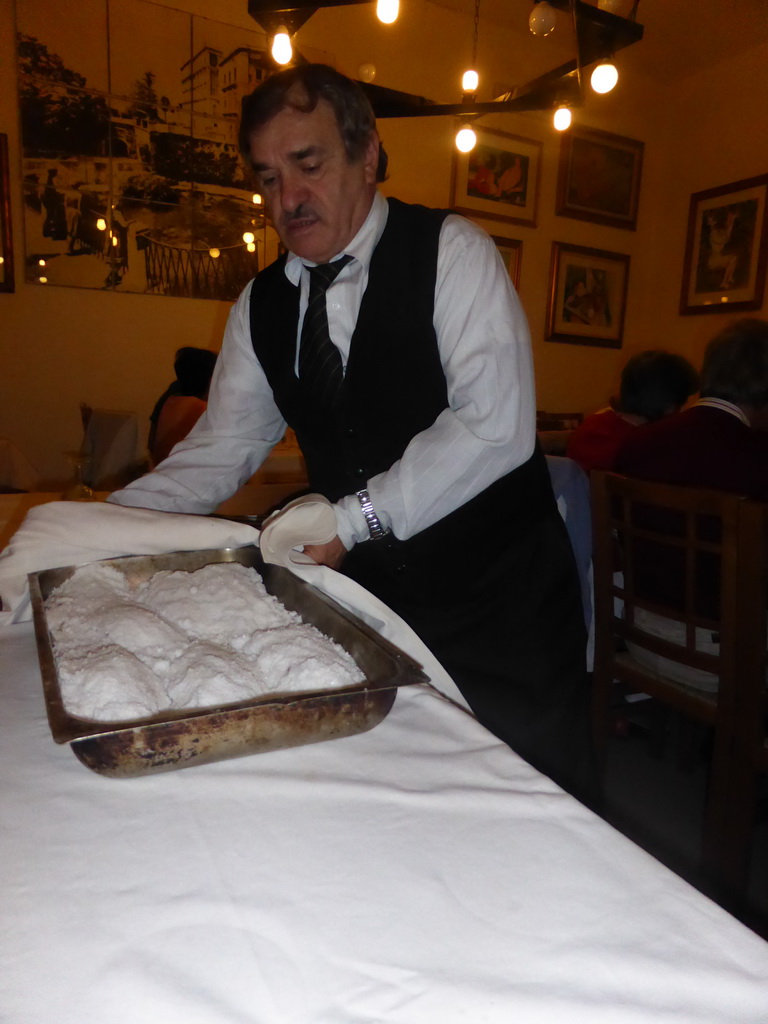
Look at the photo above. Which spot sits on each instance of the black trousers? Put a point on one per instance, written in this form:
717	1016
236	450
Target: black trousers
510	631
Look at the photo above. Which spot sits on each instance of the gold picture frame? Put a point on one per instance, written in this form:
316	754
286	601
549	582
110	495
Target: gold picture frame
511	252
599	177
588	295
726	248
498	179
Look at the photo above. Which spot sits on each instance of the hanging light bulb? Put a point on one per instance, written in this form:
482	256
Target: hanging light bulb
214	253
542	19
248	236
466	140
257	199
604	77
367	72
282	51
101	224
387	10
562	119
470	81
251	247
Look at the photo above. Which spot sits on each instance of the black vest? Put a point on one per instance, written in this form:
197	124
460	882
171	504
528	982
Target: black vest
394	385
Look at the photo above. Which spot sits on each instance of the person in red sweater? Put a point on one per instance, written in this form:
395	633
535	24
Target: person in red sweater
653	384
720	443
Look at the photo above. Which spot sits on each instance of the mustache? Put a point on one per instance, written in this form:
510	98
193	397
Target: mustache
302	211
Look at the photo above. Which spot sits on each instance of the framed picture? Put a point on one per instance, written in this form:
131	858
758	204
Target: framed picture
127	185
511	252
588	295
726	248
499	179
6	244
599	177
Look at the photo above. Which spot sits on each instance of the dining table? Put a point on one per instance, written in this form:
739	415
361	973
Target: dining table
417	873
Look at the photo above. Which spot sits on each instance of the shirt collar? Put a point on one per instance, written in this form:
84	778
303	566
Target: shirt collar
725	406
360	248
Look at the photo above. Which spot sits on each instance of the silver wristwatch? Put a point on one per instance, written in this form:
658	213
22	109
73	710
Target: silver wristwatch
375	529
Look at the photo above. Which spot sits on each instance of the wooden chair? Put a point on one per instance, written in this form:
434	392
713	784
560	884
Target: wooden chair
672	552
749	758
558	420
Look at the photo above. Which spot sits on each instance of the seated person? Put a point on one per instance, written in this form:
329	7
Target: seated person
653	384
720	443
183	403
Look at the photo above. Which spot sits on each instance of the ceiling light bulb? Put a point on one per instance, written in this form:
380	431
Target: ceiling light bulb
367	72
466	140
101	224
248	236
387	10
43	280
251	247
562	119
470	81
604	77
257	198
214	253
282	51
543	19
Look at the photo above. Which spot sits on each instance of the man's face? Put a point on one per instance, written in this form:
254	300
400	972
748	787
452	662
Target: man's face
316	199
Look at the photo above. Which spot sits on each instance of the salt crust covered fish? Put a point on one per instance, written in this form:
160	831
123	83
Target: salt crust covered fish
182	640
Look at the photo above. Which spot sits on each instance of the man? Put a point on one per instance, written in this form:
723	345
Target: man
418	425
653	384
720	442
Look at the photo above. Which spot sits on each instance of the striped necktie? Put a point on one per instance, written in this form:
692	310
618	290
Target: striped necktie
320	366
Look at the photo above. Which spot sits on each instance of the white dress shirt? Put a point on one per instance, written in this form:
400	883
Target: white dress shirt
487	429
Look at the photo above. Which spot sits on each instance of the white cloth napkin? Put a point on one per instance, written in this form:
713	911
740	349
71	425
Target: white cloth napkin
74	533
311	520
306	520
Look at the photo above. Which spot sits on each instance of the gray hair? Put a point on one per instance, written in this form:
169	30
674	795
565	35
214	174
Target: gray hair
354	114
736	364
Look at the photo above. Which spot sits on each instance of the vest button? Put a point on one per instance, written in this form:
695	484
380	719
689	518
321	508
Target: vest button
359	471
350	432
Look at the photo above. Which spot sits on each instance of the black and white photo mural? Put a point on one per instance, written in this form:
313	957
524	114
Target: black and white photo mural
132	177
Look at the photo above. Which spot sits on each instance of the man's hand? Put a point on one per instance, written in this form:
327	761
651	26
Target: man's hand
330	554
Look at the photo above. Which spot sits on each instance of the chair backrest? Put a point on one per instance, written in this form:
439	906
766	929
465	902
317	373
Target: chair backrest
558	420
749	752
110	441
666	552
570	485
753	629
666	578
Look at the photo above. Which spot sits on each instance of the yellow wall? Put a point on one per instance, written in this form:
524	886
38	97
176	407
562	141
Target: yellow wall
61	346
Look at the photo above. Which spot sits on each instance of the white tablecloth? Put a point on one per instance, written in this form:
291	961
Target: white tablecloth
420	873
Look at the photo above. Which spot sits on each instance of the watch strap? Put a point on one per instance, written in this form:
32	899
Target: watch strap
375	529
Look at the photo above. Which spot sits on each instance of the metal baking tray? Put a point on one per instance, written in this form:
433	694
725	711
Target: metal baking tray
179	739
